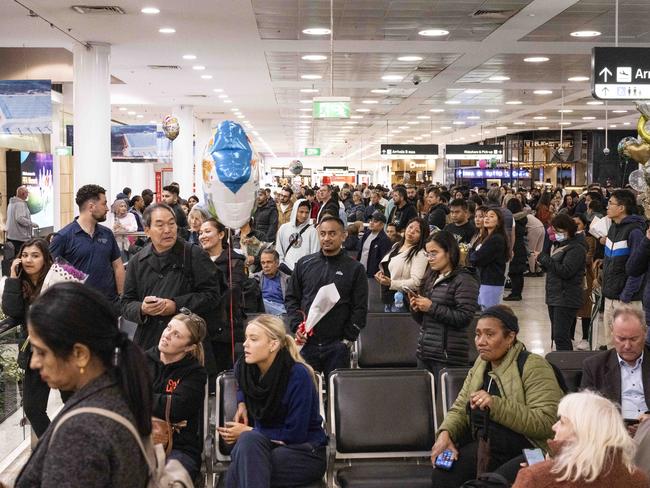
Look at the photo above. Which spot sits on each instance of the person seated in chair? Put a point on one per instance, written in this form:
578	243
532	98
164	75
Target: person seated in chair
277	429
622	374
506	404
176	366
273	282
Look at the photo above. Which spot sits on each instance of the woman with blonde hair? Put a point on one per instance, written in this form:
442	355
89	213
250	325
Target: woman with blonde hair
591	448
284	442
179	377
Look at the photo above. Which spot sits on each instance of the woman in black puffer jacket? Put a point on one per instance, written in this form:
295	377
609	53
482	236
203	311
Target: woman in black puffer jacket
446	306
564	263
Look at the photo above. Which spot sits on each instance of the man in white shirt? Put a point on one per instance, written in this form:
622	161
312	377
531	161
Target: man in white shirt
296	238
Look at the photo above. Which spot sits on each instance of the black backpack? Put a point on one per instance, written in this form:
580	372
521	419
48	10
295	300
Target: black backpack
521	360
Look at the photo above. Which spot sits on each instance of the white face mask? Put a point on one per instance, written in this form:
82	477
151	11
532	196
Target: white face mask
560	236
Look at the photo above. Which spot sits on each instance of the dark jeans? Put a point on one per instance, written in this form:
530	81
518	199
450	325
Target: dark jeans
35	395
562	321
464	469
17	245
517	284
259	463
326	357
586	323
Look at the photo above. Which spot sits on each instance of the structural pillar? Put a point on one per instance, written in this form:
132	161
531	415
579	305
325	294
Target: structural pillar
183	150
92	116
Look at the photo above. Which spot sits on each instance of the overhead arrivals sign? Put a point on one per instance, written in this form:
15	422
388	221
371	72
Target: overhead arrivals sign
474	151
409	151
620	73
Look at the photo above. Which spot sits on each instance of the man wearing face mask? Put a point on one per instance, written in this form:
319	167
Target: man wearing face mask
564	263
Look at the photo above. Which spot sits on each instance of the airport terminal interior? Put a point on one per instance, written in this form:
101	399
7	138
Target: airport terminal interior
363	187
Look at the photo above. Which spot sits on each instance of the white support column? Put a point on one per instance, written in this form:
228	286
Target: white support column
92	116
203	131
183	149
56	139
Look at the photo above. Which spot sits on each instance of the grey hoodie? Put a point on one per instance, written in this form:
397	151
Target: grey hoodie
305	244
19	220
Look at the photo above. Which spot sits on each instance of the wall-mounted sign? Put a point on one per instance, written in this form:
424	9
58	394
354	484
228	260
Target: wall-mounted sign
312	151
474	151
620	73
331	107
471	173
63	151
408	151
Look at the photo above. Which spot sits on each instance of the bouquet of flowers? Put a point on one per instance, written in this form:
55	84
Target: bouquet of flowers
62	271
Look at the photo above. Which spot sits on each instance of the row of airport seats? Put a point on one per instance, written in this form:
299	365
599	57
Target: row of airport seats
381	422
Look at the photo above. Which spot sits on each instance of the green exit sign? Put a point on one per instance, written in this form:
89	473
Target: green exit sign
312	151
331	108
63	151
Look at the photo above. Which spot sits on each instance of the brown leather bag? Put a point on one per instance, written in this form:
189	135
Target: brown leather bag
162	431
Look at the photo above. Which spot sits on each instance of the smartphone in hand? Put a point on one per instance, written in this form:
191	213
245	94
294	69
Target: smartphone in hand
445	460
533	456
410	291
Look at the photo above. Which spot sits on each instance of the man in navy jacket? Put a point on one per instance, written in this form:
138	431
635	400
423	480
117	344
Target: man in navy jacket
375	244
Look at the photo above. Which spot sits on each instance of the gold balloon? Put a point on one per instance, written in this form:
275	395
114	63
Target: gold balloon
640	128
639	152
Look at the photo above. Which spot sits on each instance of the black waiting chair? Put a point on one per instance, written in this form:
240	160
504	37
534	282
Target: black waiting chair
375	304
382	426
570	365
451	382
389	340
226	407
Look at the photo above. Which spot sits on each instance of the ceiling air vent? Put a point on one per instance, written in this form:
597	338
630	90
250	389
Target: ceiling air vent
98	9
493	14
196	96
164	66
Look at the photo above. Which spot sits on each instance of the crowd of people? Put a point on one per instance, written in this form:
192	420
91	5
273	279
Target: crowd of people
443	255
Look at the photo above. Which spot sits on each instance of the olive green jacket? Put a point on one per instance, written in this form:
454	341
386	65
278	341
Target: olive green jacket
527	405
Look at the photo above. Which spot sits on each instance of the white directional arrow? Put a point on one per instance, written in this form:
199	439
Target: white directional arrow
605	72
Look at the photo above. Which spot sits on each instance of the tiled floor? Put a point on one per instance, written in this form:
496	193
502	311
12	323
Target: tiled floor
535	333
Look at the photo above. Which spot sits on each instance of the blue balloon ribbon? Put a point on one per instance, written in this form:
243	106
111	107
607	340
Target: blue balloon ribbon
232	154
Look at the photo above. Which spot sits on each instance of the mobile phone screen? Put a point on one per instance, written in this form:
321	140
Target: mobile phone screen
533	456
445	460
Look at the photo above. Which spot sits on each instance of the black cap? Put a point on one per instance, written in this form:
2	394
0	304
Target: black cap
377	215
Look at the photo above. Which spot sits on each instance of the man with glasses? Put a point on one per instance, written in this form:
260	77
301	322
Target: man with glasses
167	275
285	205
625	235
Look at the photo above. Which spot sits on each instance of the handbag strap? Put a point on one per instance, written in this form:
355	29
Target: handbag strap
168	407
116	418
295	238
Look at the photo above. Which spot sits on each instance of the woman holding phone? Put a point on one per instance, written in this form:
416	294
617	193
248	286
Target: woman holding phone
445	306
22	287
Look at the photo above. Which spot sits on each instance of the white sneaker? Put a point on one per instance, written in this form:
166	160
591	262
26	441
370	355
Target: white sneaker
583	345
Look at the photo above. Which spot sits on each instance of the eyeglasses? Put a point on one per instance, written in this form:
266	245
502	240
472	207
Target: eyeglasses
430	255
610	204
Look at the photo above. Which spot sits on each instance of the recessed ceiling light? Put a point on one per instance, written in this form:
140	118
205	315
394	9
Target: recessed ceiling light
626	123
139	116
458	122
370	102
543	92
227	101
122	109
206	77
167	30
392	77
311	77
189	57
423	117
153	122
131	112
595	102
433	32
579	78
217	90
314	57
305	116
539	117
499	78
543	128
445	127
435	132
150	10
600	128
241	116
198	67
619	111
305	109
403	127
612	126
491	110
536	59
410	58
306	101
362	110
413	122
473	91
453	102
223	95
565	123
309	90
502	127
588	118
585	33
565	111
356	116
519	123
473	117
514	102
317	31
437	110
